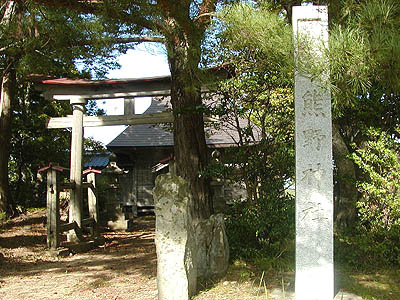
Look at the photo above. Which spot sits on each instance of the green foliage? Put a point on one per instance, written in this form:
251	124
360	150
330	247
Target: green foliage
379	206
257	39
257	101
34	146
364	50
3	217
363	55
262	229
46	40
377	236
364	249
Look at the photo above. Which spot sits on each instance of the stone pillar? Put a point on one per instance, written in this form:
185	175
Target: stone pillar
175	241
75	204
314	180
93	202
53	210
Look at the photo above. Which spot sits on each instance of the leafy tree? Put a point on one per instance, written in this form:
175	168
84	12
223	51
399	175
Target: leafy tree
40	39
181	27
257	101
376	235
379	206
33	146
364	59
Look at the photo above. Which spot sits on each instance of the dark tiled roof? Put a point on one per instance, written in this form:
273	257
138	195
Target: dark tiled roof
158	135
143	136
97	162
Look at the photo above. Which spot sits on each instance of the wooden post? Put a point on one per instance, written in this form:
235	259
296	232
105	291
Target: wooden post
93	202
75	205
53	215
129	106
135	191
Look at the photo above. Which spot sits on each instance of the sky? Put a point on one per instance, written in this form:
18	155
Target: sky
144	61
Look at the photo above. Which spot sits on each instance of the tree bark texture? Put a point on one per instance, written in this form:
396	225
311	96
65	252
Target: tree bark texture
347	194
8	85
189	137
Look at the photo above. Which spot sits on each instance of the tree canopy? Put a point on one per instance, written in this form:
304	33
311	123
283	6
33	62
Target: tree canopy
45	40
363	57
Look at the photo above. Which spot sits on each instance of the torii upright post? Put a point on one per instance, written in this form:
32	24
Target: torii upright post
314	176
75	204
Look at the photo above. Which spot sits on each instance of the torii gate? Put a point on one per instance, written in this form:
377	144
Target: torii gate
78	92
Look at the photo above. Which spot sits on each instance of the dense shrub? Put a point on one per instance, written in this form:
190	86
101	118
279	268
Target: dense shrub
262	229
364	249
377	237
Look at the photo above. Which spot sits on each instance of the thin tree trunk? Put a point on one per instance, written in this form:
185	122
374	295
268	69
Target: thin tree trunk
8	85
347	194
7	93
189	137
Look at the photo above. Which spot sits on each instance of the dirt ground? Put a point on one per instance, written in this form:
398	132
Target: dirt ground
124	268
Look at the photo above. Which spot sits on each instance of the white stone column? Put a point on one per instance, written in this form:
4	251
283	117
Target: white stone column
75	204
314	179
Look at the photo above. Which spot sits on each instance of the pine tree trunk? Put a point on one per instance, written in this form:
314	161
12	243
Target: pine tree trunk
7	93
189	137
347	194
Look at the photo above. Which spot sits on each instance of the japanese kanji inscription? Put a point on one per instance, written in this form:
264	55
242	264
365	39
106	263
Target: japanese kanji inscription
314	180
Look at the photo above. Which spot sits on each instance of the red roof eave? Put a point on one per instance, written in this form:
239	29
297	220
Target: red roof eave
87	82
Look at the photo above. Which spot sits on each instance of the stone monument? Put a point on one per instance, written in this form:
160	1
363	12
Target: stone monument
187	250
314	179
175	239
212	247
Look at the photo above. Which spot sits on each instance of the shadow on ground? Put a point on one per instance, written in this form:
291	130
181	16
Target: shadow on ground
122	254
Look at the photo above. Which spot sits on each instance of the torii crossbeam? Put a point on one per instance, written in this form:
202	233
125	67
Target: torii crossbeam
78	92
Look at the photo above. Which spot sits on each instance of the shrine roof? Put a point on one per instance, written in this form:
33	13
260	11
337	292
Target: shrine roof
67	88
161	135
38	79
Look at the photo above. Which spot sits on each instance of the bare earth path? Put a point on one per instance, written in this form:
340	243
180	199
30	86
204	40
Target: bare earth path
124	268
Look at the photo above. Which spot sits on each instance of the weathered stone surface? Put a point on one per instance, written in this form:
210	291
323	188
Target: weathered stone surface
314	176
212	247
175	241
116	218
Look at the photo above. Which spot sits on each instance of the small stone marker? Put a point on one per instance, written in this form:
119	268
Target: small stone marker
314	179
212	247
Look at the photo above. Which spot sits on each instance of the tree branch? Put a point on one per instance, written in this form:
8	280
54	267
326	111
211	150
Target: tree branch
94	7
138	39
206	11
84	6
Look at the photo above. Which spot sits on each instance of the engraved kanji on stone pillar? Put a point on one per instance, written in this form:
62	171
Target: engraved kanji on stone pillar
314	180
